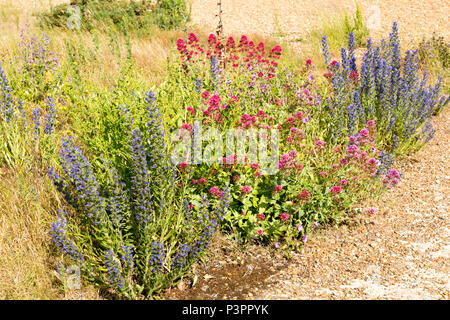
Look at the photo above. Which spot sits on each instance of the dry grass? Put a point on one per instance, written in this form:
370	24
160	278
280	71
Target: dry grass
28	264
24	239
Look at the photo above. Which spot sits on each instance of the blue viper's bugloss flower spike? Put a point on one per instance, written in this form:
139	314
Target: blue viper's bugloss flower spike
50	117
65	245
345	64
351	53
160	164
198	85
126	116
395	143
141	181
181	256
325	51
208	222
360	110
23	114
118	201
79	177
222	207
127	256
214	71
386	160
351	43
7	108
352	118
36	121
150	97
157	256
114	269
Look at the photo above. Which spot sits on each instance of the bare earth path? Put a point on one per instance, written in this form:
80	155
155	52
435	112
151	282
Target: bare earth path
403	251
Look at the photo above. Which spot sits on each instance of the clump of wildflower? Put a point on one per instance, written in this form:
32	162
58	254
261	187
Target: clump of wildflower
50	117
289	161
114	269
36	121
36	55
181	256
127	257
391	179
246	189
64	244
304	195
335	190
7	104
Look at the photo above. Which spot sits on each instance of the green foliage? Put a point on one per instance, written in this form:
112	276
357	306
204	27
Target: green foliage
171	14
14	148
357	27
138	17
338	29
434	56
436	49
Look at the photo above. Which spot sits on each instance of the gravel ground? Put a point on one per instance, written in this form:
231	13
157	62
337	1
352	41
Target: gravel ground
297	18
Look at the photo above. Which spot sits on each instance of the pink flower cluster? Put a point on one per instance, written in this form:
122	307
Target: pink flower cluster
285	216
231	159
304	195
391	179
247	121
296	120
319	145
214	107
354	153
246	189
246	53
335	190
304	96
199	181
216	192
290	161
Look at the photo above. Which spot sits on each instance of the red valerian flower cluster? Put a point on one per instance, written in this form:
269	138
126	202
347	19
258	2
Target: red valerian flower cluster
243	54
